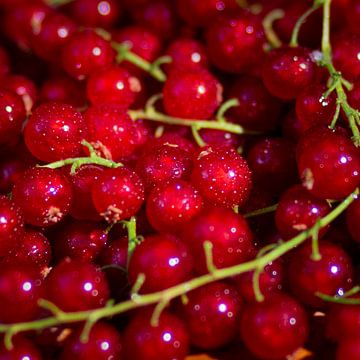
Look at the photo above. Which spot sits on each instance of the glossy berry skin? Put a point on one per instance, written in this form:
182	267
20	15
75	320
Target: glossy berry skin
222	176
44	196
352	220
12	116
34	249
322	155
96	13
168	340
288	71
170	207
163	163
53	34
186	54
274	328
104	343
54	132
235	42
194	94
82	207
111	131
331	275
118	194
24	87
20	290
212	315
74	285
86	52
112	85
272	162
165	262
11	225
270	281
229	234
346	47
298	210
343	322
313	109
80	240
22	349
348	349
258	110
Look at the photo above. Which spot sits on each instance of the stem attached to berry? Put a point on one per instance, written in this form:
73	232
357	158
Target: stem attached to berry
345	300
165	296
77	162
262	211
268	22
133	239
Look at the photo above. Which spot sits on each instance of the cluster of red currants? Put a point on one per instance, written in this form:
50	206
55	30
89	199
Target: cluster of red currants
168	174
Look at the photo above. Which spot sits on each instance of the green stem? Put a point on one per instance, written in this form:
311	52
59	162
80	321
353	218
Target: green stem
262	211
342	299
220	115
315	255
167	295
79	161
268	21
132	237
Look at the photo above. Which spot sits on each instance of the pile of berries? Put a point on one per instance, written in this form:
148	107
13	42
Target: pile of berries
170	175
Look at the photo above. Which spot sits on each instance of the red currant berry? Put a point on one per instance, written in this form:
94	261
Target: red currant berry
352	220
22	349
212	315
348	349
229	234
43	195
323	154
165	262
274	328
20	290
298	210
86	52
235	42
12	116
73	285
82	181
113	85
222	176
111	131
4	62
104	343
288	71
331	275
96	13
54	132
79	240
312	108
194	94
11	225
170	207
163	163
257	110
118	194
168	340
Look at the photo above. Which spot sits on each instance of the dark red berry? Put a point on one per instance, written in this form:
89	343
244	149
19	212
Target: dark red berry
274	328
348	349
22	349
192	94
288	71
229	234
20	290
352	220
165	262
12	116
222	176
235	42
331	275
118	194
74	285
323	154
104	343
168	340
43	195
11	225
54	132
170	207
298	210
86	52
4	62
212	315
